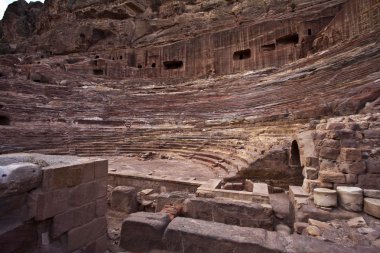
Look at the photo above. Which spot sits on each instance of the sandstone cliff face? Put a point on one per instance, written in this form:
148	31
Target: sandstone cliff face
98	26
18	24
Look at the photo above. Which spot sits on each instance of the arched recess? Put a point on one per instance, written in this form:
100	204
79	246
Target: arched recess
295	158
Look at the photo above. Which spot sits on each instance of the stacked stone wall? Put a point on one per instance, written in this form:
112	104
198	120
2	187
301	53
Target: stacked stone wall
63	212
342	151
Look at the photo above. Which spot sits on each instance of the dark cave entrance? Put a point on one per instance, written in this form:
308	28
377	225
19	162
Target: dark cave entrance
173	64
242	55
98	72
295	174
4	120
288	39
268	47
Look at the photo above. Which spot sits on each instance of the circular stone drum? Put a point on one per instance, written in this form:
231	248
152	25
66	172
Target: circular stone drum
350	198
372	207
325	197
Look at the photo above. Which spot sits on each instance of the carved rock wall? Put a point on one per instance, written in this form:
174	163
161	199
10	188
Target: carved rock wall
356	17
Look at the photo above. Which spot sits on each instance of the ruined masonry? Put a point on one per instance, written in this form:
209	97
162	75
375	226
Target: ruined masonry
190	126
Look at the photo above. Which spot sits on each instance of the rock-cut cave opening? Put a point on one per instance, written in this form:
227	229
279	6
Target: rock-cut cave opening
173	64
288	39
4	120
242	55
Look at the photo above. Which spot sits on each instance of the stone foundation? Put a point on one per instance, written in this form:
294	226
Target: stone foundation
64	208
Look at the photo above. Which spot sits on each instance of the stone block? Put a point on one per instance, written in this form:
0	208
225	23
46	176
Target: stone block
357	126
22	238
373	165
248	185
335	126
101	207
310	173
83	235
350	155
18	178
370	193
124	199
325	197
72	218
297	191
98	246
328	143
351	179
51	203
11	203
260	189
350	198
101	168
321	126
329	153
372	207
332	177
349	143
88	192
230	212
327	165
342	134
67	176
310	185
312	162
190	235
370	181
353	167
372	134
142	232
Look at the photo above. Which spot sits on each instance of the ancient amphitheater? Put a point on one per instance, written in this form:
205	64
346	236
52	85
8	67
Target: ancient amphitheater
190	126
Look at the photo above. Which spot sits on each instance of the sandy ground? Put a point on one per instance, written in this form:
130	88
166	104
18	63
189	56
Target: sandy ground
174	168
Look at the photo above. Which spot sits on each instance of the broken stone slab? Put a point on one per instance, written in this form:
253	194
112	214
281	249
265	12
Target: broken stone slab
124	199
18	178
325	197
372	207
350	198
142	232
356	222
369	193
